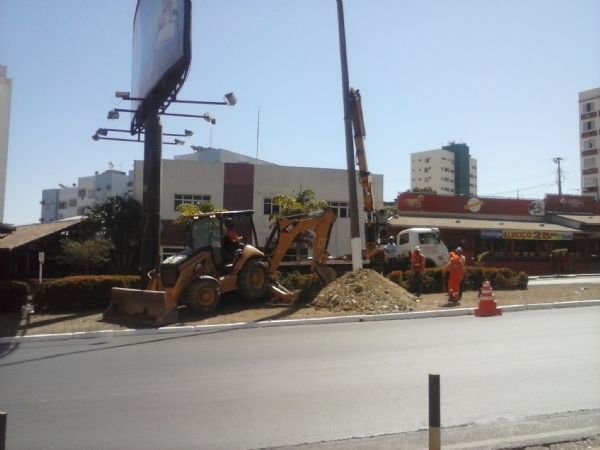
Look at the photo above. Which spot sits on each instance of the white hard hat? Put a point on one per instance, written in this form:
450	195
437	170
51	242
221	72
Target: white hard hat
417	248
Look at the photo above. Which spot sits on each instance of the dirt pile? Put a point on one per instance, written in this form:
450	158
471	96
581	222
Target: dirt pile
364	292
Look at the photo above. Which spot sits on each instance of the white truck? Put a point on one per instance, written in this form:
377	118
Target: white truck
428	239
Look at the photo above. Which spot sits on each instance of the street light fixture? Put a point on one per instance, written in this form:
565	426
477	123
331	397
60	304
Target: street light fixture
104	132
229	99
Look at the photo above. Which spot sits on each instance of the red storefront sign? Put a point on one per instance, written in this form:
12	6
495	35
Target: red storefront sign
408	201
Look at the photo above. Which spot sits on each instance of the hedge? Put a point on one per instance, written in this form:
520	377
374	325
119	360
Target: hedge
80	293
13	296
499	278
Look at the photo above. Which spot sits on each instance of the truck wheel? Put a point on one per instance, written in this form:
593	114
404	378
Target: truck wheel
203	296
253	280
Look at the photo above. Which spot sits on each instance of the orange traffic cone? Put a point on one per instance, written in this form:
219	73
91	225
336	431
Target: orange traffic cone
487	304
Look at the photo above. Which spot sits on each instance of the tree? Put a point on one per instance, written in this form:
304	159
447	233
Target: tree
188	210
303	202
120	221
84	257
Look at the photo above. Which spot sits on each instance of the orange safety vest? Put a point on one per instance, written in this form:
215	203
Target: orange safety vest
418	262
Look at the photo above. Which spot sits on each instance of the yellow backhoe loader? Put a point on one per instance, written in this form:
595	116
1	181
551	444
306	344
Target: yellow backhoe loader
215	264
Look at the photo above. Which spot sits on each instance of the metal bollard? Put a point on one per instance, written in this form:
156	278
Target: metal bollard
2	430
434	412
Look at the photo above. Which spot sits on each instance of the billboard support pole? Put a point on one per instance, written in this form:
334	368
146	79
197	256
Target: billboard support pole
149	253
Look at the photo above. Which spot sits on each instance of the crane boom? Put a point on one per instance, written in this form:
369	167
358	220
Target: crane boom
372	225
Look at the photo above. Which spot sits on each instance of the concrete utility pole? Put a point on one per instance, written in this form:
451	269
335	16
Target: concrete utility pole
557	160
355	242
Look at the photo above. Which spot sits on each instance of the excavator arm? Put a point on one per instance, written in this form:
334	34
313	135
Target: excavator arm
285	231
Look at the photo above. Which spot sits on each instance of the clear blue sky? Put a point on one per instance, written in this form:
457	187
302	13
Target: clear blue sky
503	76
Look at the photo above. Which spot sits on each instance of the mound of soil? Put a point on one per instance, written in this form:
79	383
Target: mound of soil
364	292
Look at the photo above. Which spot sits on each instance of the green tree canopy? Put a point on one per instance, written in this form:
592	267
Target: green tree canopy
303	202
188	210
120	221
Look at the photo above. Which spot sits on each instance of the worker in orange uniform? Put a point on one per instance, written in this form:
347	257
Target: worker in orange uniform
417	263
231	240
456	270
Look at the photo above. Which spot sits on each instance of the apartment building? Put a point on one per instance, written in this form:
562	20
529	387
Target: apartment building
70	201
589	141
447	171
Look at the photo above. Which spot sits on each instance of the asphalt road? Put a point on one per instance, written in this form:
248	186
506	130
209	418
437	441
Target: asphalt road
267	387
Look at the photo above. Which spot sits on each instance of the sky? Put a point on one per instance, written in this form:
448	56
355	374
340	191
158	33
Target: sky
502	76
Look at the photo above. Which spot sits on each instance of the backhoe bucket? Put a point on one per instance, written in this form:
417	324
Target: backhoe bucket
142	307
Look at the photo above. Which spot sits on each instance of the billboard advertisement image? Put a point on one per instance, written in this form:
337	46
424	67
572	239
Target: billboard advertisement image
161	53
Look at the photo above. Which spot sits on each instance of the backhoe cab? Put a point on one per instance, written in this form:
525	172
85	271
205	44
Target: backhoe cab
214	265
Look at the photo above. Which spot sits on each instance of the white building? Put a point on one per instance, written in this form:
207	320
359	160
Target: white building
589	122
5	93
236	182
449	170
73	201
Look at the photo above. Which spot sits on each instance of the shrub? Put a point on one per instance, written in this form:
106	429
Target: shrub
522	280
80	293
396	276
13	295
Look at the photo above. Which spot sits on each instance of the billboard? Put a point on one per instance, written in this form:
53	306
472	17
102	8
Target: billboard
161	54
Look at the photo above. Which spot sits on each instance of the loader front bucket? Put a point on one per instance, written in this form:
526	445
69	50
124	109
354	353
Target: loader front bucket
141	307
282	293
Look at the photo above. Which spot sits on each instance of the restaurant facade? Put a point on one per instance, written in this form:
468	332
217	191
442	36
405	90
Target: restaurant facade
559	234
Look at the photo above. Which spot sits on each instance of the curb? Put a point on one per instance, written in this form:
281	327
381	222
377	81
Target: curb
283	323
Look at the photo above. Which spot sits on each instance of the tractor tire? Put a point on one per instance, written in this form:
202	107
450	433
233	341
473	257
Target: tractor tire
253	280
203	296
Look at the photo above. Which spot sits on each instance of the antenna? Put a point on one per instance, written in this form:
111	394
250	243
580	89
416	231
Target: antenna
62	186
110	165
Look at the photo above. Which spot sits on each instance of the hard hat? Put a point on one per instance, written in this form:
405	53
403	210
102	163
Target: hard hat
228	222
458	250
417	248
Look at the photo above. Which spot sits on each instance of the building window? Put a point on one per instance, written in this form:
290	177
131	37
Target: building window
62	205
269	207
589	125
339	208
108	187
72	202
81	211
589	107
590	143
81	193
190	199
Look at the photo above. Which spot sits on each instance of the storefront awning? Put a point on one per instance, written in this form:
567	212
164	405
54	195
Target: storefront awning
478	224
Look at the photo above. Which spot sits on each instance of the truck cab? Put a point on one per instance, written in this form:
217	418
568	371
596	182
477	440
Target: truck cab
428	239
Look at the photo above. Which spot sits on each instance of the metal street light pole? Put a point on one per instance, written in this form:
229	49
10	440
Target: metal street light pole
355	242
